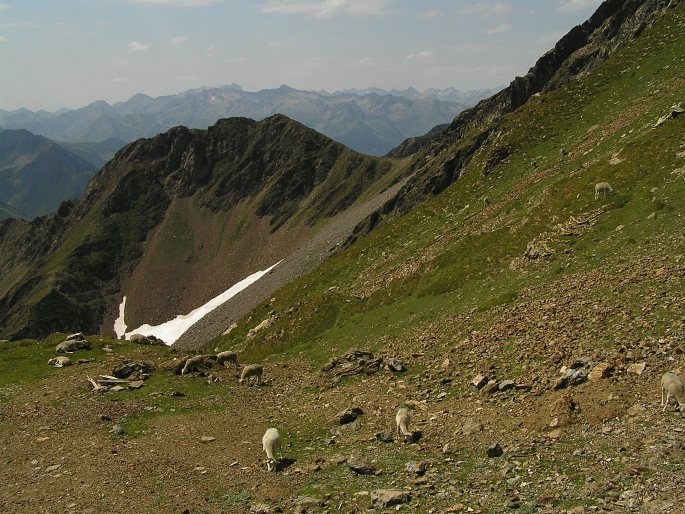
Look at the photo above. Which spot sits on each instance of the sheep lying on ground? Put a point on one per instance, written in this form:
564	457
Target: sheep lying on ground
225	358
253	370
673	386
604	188
403	418
60	362
271	441
194	363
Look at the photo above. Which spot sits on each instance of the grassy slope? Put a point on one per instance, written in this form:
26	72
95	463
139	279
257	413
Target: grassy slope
453	254
449	278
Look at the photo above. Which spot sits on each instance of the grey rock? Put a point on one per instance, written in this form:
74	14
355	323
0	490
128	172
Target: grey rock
416	468
348	415
387	436
261	508
360	465
383	498
479	381
471	426
307	501
505	385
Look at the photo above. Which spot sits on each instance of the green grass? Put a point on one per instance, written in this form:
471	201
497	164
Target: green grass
609	112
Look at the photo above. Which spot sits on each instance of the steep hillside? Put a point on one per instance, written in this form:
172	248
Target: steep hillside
174	220
371	123
36	174
534	319
611	27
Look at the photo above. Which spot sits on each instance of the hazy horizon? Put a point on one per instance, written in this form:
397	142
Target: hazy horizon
71	53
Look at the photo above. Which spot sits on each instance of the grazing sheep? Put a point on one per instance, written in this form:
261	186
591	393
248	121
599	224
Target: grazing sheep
227	357
673	385
604	188
403	419
253	370
194	363
271	441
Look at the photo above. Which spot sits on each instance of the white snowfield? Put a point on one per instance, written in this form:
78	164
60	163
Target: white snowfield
170	331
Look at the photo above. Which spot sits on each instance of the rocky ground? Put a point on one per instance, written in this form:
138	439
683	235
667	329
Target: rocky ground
495	431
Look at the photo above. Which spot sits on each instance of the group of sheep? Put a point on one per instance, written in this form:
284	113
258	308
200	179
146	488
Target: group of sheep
225	359
672	387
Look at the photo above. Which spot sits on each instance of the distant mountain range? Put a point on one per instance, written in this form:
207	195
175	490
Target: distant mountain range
37	174
369	121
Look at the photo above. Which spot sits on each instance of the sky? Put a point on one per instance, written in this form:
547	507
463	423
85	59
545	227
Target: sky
68	53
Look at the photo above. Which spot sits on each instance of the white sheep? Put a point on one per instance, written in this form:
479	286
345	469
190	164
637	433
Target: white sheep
271	441
673	386
403	418
253	370
604	188
227	357
194	363
60	362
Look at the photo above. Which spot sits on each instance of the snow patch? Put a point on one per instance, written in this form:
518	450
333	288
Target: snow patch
119	323
170	331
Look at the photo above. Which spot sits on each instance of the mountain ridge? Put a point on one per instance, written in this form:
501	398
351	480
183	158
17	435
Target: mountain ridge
256	186
369	123
36	174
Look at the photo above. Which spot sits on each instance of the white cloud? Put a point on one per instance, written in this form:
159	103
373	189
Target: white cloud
421	56
367	62
121	80
177	40
484	9
178	3
567	6
4	6
134	47
3	39
325	8
499	28
22	25
430	14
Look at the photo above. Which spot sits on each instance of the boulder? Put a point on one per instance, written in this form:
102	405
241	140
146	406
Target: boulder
384	498
348	415
638	368
471	426
416	468
489	388
479	381
600	371
505	385
133	370
360	465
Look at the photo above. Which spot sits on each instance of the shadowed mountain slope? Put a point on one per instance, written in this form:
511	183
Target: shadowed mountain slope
201	208
36	174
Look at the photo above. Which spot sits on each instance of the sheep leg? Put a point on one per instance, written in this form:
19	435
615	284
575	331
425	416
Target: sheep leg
668	398
663	396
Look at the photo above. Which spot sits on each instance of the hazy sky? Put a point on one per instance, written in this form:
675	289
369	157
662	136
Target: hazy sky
68	53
